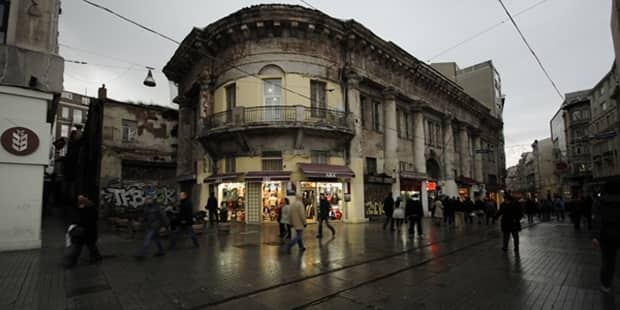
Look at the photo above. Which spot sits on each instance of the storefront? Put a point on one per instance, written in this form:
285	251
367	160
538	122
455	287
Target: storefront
410	188
230	193
464	186
273	185
376	188
330	180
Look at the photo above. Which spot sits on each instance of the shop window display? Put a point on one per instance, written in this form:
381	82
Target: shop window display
333	193
232	198
272	197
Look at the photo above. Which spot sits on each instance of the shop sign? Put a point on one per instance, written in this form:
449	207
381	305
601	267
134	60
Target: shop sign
431	186
330	175
19	141
266	179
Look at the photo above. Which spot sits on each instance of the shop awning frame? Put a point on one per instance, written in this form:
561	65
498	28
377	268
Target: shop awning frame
266	176
320	171
219	178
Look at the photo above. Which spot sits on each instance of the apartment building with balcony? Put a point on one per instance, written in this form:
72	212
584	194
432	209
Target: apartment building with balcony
278	100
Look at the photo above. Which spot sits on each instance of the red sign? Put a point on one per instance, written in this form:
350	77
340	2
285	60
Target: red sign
431	186
19	141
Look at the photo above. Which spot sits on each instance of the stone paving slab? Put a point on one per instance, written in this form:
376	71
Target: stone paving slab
364	267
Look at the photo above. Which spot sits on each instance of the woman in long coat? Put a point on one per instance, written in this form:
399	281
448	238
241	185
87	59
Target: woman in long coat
511	214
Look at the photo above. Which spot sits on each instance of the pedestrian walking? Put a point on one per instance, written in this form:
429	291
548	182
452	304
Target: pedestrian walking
285	219
212	209
490	209
559	207
414	213
587	212
577	209
153	219
511	214
298	222
449	207
185	222
469	210
606	231
83	232
547	208
399	214
388	209
479	209
439	211
459	213
324	208
530	209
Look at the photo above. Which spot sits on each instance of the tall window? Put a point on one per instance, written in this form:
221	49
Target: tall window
371	165
4	19
230	165
64	131
317	98
320	157
377	116
77	116
272	96
65	113
231	101
129	130
364	111
272	161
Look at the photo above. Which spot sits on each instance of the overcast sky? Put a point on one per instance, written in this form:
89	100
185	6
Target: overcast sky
572	38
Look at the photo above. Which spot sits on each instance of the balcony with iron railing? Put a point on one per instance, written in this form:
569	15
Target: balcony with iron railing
272	117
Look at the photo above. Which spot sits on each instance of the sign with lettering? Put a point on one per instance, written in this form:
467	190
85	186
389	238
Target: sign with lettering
19	141
330	175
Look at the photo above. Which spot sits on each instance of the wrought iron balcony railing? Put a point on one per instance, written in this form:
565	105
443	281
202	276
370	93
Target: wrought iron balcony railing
280	116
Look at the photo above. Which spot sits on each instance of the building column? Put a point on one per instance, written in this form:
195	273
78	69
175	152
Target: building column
449	188
390	139
355	212
478	175
419	153
465	152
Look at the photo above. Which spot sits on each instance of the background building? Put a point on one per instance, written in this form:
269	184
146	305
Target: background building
30	85
288	100
126	151
577	127
547	181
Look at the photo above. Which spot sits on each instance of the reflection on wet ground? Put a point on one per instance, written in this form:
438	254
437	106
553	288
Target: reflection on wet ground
362	267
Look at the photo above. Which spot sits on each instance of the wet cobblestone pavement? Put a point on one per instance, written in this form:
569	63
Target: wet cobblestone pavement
363	267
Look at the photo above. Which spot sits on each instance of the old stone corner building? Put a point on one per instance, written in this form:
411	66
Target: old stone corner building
280	99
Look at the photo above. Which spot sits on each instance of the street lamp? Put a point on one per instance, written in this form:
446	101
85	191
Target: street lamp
149	81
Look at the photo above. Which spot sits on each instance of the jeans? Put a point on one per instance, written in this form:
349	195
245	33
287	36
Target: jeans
152	235
389	220
490	218
608	266
415	221
299	239
186	230
515	239
326	220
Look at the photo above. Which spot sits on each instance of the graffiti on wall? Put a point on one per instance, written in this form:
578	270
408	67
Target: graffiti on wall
132	195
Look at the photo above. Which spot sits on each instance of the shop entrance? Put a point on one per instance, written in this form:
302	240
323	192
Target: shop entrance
333	192
272	199
232	198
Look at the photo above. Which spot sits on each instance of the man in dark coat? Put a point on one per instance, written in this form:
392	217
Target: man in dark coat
212	209
85	232
468	205
388	209
606	231
414	213
511	214
186	220
324	208
153	221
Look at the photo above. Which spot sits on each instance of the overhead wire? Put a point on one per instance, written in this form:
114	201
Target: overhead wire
514	23
485	30
213	58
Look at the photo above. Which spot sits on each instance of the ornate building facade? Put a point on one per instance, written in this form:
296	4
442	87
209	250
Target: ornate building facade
278	99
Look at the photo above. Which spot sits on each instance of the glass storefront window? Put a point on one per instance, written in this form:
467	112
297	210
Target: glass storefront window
232	199
272	199
334	193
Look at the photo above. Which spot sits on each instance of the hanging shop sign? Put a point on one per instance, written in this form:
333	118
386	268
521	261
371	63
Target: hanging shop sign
19	141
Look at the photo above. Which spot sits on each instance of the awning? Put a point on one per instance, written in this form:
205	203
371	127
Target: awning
186	177
465	180
379	178
219	178
326	171
260	176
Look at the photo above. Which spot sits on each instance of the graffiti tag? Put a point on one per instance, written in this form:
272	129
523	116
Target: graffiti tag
133	195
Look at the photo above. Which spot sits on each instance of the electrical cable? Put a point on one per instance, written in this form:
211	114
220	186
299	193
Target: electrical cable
531	50
484	31
177	42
